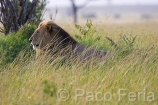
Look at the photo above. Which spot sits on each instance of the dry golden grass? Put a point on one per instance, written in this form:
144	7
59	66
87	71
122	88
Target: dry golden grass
134	74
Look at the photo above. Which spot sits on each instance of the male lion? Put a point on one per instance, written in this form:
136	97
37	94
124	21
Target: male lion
49	37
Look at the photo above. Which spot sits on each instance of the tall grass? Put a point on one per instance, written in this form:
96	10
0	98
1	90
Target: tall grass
127	77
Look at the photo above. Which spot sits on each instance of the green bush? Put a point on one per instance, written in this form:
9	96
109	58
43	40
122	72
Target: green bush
11	45
87	33
89	36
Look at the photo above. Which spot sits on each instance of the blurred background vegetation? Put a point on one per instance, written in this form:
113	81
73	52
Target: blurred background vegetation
126	29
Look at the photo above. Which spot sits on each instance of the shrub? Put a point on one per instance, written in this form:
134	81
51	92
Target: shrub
12	44
86	33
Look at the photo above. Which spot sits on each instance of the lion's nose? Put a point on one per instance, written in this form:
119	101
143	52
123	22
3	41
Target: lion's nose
30	40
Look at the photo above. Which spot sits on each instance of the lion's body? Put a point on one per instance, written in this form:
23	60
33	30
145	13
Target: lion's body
49	37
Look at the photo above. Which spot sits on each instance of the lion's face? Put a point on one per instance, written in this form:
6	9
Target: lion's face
49	35
40	38
36	38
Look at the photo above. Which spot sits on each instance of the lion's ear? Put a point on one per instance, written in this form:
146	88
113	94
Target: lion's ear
49	27
40	24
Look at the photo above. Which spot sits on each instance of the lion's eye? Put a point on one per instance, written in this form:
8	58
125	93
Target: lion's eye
37	32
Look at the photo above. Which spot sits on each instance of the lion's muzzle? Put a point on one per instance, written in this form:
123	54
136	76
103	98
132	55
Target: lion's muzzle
33	44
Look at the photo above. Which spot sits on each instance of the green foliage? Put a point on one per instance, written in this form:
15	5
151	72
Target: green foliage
49	88
129	41
88	33
89	37
38	12
128	44
124	46
12	44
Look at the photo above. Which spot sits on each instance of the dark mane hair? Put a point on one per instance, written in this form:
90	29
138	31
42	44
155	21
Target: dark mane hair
57	31
67	38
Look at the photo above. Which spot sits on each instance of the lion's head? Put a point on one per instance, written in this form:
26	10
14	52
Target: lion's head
49	34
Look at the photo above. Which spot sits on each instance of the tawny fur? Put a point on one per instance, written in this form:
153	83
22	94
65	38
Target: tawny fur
49	37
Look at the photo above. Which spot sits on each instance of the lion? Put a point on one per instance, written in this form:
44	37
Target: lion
49	37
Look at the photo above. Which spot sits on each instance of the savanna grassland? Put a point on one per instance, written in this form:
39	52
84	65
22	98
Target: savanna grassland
128	76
